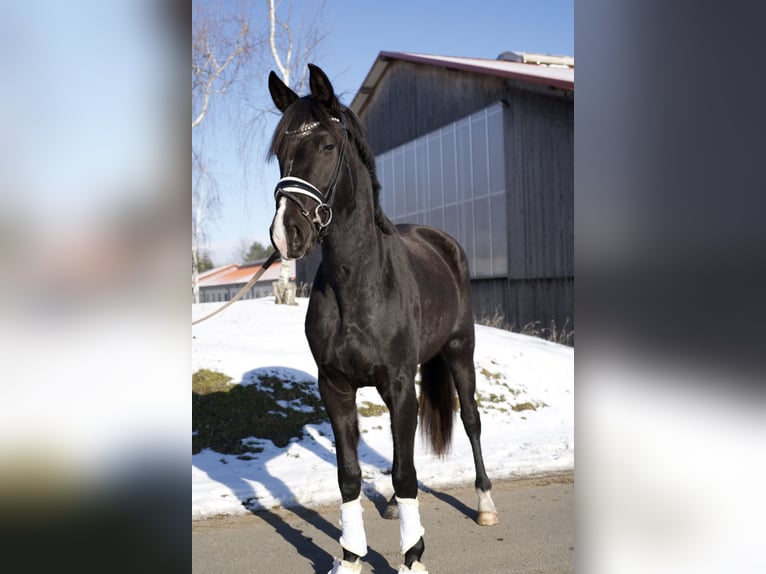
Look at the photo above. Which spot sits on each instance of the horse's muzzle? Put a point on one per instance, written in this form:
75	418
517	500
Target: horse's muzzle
292	234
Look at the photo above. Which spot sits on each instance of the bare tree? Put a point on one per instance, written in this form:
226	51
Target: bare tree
222	43
293	44
205	202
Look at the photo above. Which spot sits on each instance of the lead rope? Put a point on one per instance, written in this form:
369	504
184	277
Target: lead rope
265	265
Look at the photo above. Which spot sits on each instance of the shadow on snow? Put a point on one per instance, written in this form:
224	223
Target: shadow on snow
276	403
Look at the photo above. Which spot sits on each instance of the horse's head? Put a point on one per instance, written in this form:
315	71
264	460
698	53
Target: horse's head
310	145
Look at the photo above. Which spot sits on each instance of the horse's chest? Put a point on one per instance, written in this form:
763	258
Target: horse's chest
362	350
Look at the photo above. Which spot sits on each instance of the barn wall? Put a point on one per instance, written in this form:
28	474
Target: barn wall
518	303
540	185
415	99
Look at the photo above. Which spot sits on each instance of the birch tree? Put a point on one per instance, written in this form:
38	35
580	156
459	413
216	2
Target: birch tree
294	44
222	44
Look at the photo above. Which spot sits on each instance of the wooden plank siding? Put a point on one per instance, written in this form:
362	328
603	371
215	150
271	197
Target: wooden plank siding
539	176
521	302
414	99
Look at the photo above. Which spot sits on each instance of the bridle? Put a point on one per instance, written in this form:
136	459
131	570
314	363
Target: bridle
295	188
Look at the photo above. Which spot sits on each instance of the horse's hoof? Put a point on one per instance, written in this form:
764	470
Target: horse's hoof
488	518
391	512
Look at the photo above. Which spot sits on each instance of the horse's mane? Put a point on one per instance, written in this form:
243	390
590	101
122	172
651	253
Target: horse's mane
307	110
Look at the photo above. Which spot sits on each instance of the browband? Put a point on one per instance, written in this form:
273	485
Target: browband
308	127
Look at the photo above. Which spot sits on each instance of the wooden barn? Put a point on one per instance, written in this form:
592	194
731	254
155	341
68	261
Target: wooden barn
483	149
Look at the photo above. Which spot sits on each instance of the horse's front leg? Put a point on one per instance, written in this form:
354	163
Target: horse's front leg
402	405
340	403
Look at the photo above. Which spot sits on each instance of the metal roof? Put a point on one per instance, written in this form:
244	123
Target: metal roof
550	75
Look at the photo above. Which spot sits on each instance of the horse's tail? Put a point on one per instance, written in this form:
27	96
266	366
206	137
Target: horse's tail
437	400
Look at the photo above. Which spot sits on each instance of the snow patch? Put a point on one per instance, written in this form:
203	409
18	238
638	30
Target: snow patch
254	338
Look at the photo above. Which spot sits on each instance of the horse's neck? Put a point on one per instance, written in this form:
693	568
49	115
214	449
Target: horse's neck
355	247
352	252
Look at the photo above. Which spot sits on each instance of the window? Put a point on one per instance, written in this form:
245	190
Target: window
454	179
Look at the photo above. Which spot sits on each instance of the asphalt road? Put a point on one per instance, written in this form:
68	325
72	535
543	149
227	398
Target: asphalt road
535	535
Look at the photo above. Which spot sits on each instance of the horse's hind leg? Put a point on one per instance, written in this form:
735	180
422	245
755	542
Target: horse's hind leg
459	355
402	403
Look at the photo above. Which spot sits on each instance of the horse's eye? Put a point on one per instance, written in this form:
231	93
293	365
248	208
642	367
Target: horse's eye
329	147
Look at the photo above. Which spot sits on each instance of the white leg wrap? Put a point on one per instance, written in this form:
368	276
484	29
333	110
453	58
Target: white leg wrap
416	567
410	529
343	567
485	501
352	537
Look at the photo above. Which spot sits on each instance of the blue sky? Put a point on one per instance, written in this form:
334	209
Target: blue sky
356	32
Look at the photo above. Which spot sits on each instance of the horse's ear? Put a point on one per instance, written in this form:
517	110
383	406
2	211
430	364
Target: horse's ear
321	88
282	95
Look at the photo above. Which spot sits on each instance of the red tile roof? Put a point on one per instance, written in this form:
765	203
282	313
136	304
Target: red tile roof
235	274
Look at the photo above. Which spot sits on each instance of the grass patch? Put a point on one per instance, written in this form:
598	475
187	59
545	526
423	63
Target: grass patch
206	381
527	406
491	401
492	398
514	392
496	320
368	409
224	414
562	334
490	375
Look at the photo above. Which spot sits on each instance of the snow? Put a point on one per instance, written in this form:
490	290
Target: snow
511	369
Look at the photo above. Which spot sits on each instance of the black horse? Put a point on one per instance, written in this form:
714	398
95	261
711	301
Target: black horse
385	299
